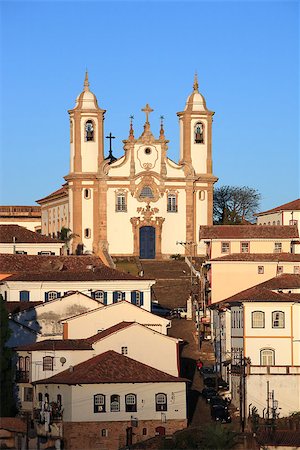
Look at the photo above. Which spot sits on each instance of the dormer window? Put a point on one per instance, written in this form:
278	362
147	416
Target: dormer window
199	133
89	130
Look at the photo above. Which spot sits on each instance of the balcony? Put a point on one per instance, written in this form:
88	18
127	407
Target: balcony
22	376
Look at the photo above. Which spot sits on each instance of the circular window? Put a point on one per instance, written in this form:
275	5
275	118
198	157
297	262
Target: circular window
147	151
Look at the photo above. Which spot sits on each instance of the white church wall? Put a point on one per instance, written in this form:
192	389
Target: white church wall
87	218
199	151
89	148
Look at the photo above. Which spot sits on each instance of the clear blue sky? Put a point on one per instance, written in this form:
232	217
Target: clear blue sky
246	55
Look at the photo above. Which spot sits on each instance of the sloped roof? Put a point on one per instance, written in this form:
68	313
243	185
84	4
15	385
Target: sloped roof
290	206
61	192
111	330
57	344
15	307
283	281
13	424
279	438
23	235
260	257
59	268
111	367
249	232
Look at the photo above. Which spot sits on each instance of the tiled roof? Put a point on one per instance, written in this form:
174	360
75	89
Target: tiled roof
111	367
279	438
260	257
59	268
23	235
57	344
290	206
249	232
109	331
61	192
283	281
15	307
12	424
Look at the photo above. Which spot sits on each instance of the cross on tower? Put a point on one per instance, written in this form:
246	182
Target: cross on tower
147	110
110	137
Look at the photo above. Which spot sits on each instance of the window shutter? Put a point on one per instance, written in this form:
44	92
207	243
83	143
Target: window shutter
115	297
133	297
58	294
141	298
123	295
46	296
105	298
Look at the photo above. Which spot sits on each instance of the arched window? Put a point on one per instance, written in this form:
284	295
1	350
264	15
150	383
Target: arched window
51	295
277	319
199	133
24	296
258	319
267	357
99	403
87	233
87	193
146	192
101	296
130	403
114	403
118	296
89	130
161	402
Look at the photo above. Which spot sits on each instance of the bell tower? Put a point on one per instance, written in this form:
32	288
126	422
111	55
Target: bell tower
86	156
195	124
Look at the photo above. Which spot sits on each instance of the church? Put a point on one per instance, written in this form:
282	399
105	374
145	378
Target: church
143	203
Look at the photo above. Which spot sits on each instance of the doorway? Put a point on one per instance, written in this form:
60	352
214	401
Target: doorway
147	242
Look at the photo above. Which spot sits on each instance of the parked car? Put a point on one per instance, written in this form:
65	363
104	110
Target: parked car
179	313
220	413
208	393
159	310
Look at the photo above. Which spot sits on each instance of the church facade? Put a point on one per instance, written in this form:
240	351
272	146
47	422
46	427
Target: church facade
143	203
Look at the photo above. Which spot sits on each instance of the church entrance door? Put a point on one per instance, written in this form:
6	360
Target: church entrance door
147	242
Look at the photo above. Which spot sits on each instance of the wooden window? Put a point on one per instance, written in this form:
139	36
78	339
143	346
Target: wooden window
51	295
121	205
277	319
161	402
172	203
267	357
114	403
258	319
48	363
278	247
99	403
225	247
24	296
260	270
137	298
130	403
245	247
101	296
297	270
118	296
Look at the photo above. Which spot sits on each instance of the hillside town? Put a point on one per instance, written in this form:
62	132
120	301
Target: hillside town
133	319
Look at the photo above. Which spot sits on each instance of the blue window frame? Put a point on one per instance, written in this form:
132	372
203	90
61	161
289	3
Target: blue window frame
137	298
24	296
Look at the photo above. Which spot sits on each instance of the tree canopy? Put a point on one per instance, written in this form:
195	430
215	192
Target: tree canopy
233	205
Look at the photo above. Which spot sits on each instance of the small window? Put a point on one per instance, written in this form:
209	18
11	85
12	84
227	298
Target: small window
87	193
172	203
144	431
260	270
24	296
148	151
118	296
52	295
28	394
199	133
277	319
146	192
40	397
48	363
245	247
296	270
124	350
279	270
104	432
278	247
202	195
99	403
115	403
121	203
258	319
99	295
89	130
130	403
293	222
161	402
267	357
21	252
225	247
87	233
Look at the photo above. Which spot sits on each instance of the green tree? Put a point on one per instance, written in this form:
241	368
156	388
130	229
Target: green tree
233	205
7	401
66	236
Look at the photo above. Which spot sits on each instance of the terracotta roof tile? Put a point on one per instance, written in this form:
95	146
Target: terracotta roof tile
260	257
23	235
249	232
58	344
283	281
109	331
290	206
15	307
279	438
61	192
12	424
111	367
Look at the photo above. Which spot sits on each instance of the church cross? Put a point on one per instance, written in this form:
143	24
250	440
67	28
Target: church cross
110	137
147	110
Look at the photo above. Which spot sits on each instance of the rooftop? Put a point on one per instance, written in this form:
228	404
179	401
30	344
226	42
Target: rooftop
57	344
9	233
249	232
260	257
290	206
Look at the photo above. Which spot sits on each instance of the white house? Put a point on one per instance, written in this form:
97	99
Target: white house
106	316
110	399
15	239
